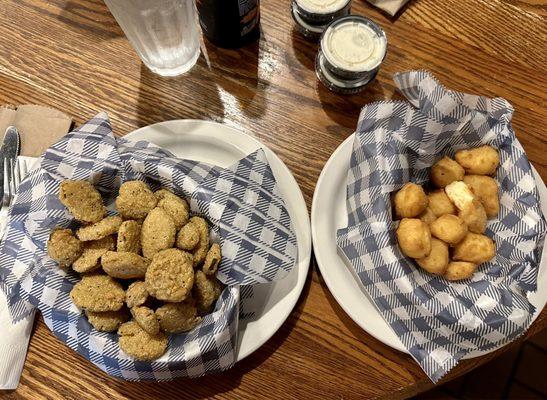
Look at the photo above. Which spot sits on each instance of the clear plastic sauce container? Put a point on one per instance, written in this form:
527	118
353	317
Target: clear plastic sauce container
313	16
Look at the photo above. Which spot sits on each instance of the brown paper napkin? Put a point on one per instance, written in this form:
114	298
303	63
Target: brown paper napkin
38	126
389	6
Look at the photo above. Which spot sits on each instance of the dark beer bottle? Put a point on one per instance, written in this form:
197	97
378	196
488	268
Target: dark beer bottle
229	23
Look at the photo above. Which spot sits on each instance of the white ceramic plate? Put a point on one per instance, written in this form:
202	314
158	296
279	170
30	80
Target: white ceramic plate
329	213
222	145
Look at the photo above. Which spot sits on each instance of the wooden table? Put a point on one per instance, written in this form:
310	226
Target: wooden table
71	55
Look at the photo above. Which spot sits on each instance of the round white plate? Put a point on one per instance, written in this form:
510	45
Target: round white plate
222	145
328	214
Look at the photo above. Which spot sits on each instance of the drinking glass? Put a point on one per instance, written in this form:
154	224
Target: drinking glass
164	33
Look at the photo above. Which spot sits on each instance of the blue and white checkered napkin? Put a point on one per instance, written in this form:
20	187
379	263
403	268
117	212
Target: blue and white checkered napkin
439	322
242	203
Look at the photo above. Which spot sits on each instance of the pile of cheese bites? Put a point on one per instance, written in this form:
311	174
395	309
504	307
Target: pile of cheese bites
443	230
153	263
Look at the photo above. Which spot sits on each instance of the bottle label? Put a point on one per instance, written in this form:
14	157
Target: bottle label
249	12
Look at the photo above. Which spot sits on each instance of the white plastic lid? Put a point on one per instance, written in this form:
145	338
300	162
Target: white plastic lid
321	6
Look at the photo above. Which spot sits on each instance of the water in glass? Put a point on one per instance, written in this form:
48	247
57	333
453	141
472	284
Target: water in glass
163	32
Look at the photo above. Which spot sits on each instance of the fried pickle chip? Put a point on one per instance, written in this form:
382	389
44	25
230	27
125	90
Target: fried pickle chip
82	200
177	209
437	260
164	193
428	216
98	293
200	251
414	238
440	204
480	161
475	248
124	265
206	291
449	228
188	237
135	200
458	270
99	230
146	318
446	171
129	237
107	321
139	344
136	294
157	233
170	276
178	317
410	201
460	194
93	251
474	216
486	190
63	247
212	260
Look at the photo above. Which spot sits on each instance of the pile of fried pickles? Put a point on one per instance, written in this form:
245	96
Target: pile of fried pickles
148	272
443	230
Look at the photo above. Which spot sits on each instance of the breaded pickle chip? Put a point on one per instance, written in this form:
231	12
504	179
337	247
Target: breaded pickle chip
440	204
93	251
480	161
212	260
486	190
136	294
157	232
437	260
170	276
414	238
129	237
99	230
146	318
177	210
449	229
82	200
164	193
137	343
98	293
107	321
446	171
206	291
188	237
410	201
135	200
178	317
124	265
475	248
63	247
458	270
200	251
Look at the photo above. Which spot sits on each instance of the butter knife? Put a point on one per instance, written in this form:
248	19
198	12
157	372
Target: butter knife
11	146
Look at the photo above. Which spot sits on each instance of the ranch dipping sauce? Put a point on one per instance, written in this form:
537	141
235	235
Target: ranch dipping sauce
351	51
313	16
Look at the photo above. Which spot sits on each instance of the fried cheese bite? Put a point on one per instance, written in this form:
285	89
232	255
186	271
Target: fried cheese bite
482	160
410	201
474	248
485	188
474	216
440	204
446	171
449	228
437	260
414	238
458	270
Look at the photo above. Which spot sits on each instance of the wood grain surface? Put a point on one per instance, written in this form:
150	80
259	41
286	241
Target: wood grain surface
72	55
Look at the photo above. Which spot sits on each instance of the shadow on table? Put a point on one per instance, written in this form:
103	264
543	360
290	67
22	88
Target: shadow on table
211	385
90	18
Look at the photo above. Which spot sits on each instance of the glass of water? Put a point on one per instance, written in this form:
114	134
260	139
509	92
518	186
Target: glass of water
164	33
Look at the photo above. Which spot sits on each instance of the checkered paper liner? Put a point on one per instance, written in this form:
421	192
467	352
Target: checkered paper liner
242	203
439	321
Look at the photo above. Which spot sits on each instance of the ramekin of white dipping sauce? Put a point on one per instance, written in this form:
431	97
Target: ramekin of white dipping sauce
313	16
351	51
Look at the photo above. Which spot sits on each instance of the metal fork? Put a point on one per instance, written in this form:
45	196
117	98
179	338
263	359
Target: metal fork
14	173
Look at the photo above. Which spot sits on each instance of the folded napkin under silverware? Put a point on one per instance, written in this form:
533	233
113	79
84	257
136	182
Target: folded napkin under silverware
38	127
